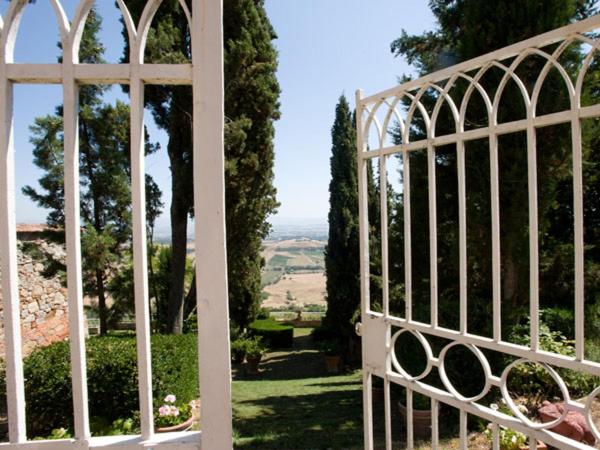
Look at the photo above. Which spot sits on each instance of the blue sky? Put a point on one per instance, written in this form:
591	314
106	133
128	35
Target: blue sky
326	48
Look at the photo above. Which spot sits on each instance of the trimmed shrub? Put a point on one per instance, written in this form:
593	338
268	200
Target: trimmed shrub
112	379
274	334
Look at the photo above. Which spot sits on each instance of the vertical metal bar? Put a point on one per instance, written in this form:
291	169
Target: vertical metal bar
410	438
73	243
495	437
140	256
462	233
15	393
388	414
385	283
210	236
363	217
533	232
435	428
495	205
578	235
407	235
433	275
532	442
463	430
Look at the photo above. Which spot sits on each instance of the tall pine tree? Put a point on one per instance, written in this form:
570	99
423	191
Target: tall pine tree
342	251
104	175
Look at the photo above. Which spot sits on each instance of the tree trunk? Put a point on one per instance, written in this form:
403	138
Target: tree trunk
190	298
102	313
179	217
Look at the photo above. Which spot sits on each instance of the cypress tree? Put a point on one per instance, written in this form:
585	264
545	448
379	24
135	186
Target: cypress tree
251	107
342	251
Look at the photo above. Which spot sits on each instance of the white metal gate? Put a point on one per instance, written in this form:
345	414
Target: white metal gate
205	75
377	114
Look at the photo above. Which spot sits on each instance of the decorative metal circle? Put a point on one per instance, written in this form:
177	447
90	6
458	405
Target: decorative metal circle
588	407
426	348
487	371
513	407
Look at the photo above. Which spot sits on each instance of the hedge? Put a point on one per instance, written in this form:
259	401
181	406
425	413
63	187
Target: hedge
274	334
112	379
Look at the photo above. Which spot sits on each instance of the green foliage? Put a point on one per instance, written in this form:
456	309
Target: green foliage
275	334
466	29
341	253
112	379
254	347
592	324
238	350
263	313
509	439
560	320
533	379
330	347
322	333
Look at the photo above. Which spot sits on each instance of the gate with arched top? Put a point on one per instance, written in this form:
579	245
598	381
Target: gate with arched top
205	76
394	112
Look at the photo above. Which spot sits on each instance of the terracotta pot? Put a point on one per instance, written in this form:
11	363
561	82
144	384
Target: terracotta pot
540	446
179	427
332	363
421	421
252	364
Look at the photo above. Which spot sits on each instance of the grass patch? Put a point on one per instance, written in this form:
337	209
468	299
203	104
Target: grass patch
292	404
301	413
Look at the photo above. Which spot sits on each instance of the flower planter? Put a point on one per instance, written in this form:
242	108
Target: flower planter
252	364
179	427
421	421
540	446
332	363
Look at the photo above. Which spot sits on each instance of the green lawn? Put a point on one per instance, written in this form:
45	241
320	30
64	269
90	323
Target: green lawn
292	404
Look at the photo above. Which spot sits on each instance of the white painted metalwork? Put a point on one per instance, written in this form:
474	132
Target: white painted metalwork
376	115
205	75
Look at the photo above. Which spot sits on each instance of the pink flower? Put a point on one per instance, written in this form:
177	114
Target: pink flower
174	411
164	410
170	398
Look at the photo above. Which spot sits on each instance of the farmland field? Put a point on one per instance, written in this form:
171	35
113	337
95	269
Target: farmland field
294	274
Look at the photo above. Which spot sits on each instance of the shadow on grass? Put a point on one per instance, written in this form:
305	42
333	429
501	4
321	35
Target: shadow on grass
337	383
326	420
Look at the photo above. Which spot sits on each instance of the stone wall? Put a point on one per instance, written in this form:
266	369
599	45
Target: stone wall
42	293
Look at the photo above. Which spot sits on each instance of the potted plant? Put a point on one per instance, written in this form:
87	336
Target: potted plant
331	348
254	352
421	414
172	416
238	350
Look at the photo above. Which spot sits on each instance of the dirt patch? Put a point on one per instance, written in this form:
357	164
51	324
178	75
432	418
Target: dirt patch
296	290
